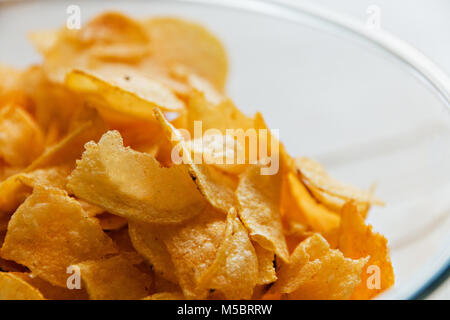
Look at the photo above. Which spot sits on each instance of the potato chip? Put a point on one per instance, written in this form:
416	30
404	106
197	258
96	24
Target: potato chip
193	248
217	187
122	90
71	146
357	240
266	268
165	296
110	221
21	140
319	178
158	195
259	201
43	40
317	272
175	41
50	232
14	288
148	241
114	278
16	188
305	209
50	291
234	272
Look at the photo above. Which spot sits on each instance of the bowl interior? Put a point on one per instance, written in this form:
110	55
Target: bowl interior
366	115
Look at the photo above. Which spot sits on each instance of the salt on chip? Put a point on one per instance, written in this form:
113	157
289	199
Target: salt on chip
21	140
149	242
317	272
357	240
234	272
157	194
50	232
175	41
123	90
13	287
114	278
216	186
259	201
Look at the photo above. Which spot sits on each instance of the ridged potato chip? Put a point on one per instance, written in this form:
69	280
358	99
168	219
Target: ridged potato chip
157	195
50	232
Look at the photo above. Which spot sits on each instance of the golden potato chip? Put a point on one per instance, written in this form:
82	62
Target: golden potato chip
50	291
50	232
319	178
357	240
158	195
217	187
259	201
110	221
317	272
306	210
148	241
165	296
114	278
175	41
193	248
14	288
15	189
234	272
122	90
220	117
266	269
21	140
8	265
71	146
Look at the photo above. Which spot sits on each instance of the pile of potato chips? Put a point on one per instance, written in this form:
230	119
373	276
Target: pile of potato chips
89	188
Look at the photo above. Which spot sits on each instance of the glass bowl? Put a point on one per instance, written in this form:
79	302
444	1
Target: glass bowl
371	108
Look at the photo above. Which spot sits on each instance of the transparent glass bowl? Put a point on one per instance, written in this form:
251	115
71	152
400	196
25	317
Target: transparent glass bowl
368	106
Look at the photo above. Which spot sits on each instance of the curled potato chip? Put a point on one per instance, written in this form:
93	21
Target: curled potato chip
157	195
217	187
123	90
13	287
43	40
305	209
148	241
357	240
21	140
175	41
114	278
234	272
315	271
50	232
259	201
50	291
319	178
